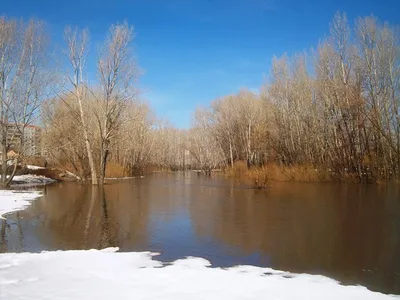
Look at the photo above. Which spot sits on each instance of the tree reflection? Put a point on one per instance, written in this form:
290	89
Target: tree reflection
87	217
348	233
3	239
108	235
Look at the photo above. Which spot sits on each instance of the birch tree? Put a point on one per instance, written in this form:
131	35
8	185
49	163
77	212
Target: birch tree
117	73
378	61
77	47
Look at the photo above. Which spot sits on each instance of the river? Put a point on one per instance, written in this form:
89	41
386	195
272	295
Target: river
348	232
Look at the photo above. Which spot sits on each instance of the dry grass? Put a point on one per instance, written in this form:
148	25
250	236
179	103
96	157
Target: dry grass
297	173
35	161
255	177
115	170
239	169
259	177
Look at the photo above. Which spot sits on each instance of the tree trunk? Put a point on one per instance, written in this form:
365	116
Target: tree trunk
91	161
103	164
4	157
231	151
9	179
87	142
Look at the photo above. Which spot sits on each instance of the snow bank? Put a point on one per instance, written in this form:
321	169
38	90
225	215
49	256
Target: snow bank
31	179
123	178
119	178
32	167
15	200
73	175
108	274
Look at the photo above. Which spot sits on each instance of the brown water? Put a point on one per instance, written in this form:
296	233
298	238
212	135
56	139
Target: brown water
347	232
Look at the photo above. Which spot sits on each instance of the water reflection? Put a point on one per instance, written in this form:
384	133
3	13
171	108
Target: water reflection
72	216
351	233
348	232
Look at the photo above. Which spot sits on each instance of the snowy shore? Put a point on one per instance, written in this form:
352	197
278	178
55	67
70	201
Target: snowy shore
108	274
31	180
15	200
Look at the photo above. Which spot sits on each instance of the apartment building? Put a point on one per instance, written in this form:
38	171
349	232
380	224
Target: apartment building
31	136
33	141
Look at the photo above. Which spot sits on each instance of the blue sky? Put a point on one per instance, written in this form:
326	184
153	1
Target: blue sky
195	51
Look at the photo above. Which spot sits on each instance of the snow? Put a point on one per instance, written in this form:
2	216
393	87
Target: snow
119	178
108	274
73	175
123	178
32	167
15	200
31	179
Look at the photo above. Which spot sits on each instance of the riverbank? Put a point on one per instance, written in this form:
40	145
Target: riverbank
11	201
54	174
261	177
31	180
107	274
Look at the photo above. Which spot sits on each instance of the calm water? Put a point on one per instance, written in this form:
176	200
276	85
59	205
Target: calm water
347	232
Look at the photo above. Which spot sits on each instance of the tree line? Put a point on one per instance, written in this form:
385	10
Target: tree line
90	123
335	107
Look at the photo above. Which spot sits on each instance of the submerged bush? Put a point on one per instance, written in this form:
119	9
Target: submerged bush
259	177
114	170
255	176
297	173
239	169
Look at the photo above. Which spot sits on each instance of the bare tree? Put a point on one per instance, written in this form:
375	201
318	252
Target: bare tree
117	72
62	139
76	53
24	83
202	143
